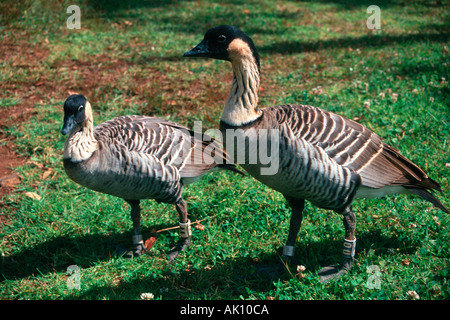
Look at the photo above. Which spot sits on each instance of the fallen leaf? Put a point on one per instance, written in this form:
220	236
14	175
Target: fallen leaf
406	262
394	97
199	226
46	174
33	195
148	244
37	164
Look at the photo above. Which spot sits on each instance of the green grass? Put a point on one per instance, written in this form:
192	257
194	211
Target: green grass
127	59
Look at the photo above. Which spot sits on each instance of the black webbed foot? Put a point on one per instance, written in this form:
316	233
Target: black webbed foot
181	246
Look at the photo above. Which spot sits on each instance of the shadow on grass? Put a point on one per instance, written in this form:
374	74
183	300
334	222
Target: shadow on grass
286	47
58	253
383	4
236	276
112	6
227	279
290	47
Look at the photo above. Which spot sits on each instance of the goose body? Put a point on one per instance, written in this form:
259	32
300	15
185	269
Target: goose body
304	171
323	157
330	160
135	158
138	158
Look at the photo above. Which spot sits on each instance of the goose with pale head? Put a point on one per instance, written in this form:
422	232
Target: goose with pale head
135	158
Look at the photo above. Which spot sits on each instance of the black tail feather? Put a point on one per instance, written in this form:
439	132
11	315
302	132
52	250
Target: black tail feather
429	197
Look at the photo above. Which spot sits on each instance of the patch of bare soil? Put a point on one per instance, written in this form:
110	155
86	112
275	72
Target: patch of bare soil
16	114
95	79
9	159
99	78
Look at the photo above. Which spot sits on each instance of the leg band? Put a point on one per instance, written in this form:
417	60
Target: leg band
349	248
185	229
288	251
137	239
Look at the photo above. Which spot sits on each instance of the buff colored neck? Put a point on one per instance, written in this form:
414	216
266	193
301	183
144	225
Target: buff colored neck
241	106
81	143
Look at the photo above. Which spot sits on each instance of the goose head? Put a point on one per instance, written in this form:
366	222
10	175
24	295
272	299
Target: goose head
75	113
225	43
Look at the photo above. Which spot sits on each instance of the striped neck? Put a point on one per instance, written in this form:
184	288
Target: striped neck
81	143
241	106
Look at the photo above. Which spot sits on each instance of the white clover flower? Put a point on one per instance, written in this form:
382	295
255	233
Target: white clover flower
301	268
147	296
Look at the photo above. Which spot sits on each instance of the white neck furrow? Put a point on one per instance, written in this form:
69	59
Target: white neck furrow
241	106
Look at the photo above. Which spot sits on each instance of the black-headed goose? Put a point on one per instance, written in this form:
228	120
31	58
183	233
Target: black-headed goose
137	157
323	157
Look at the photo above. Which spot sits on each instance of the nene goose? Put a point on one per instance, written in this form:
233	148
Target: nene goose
134	158
323	157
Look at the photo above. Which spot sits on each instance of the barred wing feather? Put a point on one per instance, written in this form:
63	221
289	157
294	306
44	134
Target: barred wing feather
356	148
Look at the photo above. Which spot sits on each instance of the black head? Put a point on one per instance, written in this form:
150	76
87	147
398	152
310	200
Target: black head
74	112
216	44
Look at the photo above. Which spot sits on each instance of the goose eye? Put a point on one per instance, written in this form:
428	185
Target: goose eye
80	108
221	39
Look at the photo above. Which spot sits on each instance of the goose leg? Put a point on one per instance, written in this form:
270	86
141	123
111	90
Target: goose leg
275	270
297	206
334	272
348	253
137	239
185	231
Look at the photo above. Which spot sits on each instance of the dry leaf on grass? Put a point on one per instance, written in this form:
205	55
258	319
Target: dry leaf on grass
33	195
46	174
199	226
148	244
406	262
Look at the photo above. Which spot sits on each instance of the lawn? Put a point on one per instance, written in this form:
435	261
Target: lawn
127	59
